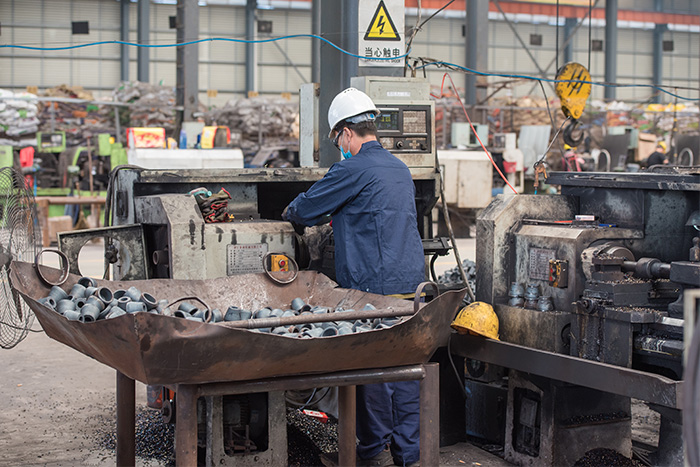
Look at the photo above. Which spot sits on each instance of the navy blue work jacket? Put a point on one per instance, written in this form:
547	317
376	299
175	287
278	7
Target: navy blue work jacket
371	197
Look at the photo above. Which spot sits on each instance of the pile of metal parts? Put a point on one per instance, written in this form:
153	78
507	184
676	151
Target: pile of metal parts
87	303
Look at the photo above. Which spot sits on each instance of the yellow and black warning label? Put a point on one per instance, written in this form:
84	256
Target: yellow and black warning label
382	28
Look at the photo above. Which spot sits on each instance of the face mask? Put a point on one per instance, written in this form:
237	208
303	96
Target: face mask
345	154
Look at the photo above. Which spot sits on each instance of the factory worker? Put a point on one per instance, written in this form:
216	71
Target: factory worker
371	197
659	156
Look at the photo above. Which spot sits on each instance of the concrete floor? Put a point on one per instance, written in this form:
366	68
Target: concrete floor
56	400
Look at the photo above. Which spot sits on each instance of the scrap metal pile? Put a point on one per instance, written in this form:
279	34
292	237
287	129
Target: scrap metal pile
79	120
150	105
88	303
258	117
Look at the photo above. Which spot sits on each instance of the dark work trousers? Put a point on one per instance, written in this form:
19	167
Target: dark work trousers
388	413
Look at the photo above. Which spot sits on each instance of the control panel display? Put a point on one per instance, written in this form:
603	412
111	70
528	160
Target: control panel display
388	120
405	128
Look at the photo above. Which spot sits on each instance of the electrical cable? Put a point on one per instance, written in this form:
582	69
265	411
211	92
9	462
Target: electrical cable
199	41
454	88
437	63
450	231
455	67
454	367
552	142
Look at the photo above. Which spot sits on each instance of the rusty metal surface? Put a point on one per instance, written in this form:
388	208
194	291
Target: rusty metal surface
157	349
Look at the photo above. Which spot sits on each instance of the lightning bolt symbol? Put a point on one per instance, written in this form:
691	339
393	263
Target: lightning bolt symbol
380	24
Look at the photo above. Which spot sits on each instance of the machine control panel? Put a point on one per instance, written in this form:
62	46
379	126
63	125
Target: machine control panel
405	128
406	124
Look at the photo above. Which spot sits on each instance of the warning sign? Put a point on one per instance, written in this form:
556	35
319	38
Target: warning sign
383	42
382	27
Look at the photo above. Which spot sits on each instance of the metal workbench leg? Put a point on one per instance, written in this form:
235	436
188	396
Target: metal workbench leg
430	415
346	425
186	425
126	420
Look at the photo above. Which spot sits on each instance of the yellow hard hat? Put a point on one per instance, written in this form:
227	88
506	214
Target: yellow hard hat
662	144
477	318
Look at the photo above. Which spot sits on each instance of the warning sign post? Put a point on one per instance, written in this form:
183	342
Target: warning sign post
381	32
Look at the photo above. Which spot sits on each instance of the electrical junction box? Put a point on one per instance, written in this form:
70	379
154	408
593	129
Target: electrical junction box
406	125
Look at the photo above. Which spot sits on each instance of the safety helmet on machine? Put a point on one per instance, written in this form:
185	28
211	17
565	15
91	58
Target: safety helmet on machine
348	104
477	318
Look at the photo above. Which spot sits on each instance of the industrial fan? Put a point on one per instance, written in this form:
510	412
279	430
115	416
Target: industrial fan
20	239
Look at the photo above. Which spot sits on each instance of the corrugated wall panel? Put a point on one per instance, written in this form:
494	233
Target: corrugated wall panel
55	12
25	72
273	79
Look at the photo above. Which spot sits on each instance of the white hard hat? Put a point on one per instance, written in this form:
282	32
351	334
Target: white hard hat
351	103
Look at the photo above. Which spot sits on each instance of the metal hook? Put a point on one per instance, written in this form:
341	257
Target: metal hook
567	134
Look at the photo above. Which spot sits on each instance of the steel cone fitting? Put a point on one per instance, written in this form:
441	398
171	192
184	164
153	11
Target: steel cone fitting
90	291
262	313
279	330
516	290
314	332
79	302
123	301
369	307
204	315
516	302
216	315
330	331
325	324
319	310
233	314
180	314
72	315
276	313
103	314
78	291
194	318
298	304
390	321
163	303
187	308
57	293
303	327
545	303
95	301
342	330
87	282
149	300
49	302
135	307
104	294
89	313
532	292
116	311
288	313
64	305
119	293
134	294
